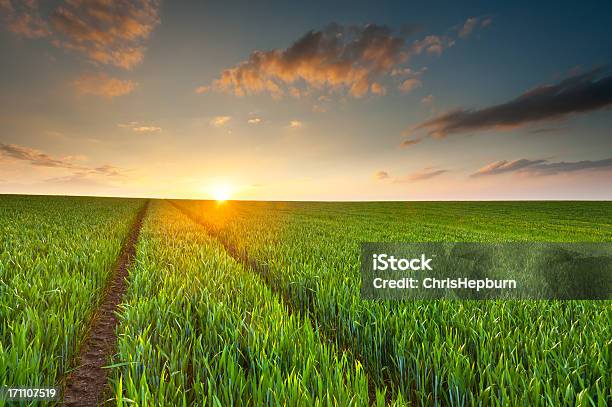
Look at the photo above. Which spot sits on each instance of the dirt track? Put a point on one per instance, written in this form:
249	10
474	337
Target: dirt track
86	385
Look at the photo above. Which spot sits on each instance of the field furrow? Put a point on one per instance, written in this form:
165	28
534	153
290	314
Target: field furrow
197	328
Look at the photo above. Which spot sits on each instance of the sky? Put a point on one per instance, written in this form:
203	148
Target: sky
353	100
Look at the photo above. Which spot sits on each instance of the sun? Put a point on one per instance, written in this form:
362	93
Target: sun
221	192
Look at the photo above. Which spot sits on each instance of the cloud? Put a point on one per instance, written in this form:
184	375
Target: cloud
468	27
295	124
401	72
380	175
34	157
427	99
109	32
336	57
220	121
471	24
378	89
138	127
41	159
541	167
424	174
319	108
409	84
254	120
103	85
353	59
411	142
576	94
503	166
432	44
23	18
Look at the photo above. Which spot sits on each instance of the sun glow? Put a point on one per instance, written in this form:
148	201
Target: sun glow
221	192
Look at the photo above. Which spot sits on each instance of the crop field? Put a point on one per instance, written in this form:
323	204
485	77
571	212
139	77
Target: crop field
55	257
257	303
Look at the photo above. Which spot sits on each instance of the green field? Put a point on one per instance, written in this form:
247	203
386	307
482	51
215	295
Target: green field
257	303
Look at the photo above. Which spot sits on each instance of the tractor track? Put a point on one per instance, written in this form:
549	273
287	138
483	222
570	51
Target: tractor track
87	384
263	271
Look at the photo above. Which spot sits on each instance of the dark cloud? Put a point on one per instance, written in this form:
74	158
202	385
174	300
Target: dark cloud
542	167
577	94
34	157
547	130
502	166
41	159
110	32
411	142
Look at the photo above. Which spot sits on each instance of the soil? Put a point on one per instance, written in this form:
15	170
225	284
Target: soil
87	384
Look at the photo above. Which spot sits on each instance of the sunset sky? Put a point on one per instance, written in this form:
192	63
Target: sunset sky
358	100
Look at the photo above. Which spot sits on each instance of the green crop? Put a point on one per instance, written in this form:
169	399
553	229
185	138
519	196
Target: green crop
198	328
455	353
258	303
55	257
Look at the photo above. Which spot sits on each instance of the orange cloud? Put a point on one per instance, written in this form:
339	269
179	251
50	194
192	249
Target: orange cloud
381	175
103	85
336	57
220	121
109	32
409	84
23	18
138	127
378	89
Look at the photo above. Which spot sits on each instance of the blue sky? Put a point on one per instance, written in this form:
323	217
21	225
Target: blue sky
134	103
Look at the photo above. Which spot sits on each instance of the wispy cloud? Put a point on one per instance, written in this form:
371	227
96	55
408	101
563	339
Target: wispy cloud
295	124
35	157
254	120
424	174
103	85
427	99
432	44
138	127
577	94
220	121
380	175
472	24
41	159
411	142
541	167
109	32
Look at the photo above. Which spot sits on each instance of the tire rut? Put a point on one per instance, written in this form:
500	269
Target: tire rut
87	384
263	271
